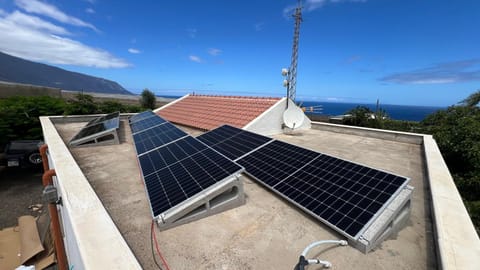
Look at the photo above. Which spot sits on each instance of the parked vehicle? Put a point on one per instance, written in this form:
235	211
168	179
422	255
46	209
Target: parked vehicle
23	153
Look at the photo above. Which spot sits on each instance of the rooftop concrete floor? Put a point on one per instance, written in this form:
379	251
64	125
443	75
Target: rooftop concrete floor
267	232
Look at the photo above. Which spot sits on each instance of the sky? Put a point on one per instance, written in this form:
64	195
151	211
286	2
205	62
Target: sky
406	52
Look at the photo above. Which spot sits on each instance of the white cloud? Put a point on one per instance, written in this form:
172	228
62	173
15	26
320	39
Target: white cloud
90	10
43	43
37	7
134	51
2	12
28	21
214	51
195	58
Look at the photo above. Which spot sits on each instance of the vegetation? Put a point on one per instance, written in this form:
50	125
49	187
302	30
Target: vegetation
148	99
19	116
457	133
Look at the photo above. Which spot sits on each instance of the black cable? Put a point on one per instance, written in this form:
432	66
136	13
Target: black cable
153	252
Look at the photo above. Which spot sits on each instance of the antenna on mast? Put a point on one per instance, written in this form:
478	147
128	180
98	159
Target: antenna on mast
290	81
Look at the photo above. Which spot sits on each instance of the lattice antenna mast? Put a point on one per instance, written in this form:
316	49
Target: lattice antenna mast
291	81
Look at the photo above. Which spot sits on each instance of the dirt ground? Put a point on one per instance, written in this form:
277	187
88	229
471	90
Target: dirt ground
19	189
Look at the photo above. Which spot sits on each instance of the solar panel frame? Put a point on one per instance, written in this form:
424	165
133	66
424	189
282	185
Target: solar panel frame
103	118
199	163
276	164
90	131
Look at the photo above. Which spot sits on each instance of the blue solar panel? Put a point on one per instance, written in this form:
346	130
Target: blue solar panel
98	125
180	170
141	116
146	123
157	136
276	161
344	195
233	142
174	165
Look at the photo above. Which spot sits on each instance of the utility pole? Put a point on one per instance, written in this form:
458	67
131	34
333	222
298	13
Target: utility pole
291	74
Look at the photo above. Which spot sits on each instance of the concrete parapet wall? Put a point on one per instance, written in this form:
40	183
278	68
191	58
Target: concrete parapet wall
92	241
458	245
396	136
13	89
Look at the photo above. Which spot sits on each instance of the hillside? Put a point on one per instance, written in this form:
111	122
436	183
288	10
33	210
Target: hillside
18	70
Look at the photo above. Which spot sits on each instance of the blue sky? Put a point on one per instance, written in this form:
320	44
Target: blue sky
400	51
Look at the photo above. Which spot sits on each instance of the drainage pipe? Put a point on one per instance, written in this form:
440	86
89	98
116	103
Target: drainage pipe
47	179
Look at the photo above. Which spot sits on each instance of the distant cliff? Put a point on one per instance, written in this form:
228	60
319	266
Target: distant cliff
18	70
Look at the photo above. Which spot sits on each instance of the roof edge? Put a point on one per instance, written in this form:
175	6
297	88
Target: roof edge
238	97
171	103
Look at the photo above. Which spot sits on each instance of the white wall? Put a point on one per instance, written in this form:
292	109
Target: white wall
270	122
92	241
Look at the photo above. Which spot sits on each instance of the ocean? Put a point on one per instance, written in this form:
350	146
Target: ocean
397	112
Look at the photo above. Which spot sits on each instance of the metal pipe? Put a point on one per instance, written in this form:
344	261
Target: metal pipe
47	179
43	154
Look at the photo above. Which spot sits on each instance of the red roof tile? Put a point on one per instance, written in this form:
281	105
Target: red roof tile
208	112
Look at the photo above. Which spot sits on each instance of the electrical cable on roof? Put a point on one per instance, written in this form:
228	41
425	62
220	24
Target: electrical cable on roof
154	238
151	246
303	262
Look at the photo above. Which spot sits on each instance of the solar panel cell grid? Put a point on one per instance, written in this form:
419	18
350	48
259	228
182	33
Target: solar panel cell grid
276	161
141	116
342	193
156	137
182	179
233	142
147	123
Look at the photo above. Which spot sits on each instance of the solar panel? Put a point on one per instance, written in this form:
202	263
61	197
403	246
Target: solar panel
157	136
276	161
146	123
90	130
177	171
141	116
103	118
344	195
97	130
233	142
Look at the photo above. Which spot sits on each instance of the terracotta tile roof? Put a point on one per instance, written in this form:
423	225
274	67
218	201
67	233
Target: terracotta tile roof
208	112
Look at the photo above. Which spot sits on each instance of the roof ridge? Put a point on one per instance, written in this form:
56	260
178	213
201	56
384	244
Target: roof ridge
238	97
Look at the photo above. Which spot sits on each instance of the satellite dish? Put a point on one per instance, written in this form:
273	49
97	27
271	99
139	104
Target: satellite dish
293	117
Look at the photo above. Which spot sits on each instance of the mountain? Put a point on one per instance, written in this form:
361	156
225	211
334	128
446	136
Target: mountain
18	70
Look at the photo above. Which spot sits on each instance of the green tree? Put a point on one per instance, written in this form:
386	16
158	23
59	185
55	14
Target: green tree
82	104
472	101
115	106
360	116
148	99
19	116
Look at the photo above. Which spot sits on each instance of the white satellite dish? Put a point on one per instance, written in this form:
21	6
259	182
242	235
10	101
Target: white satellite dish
293	117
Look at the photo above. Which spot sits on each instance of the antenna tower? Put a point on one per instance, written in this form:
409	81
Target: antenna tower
292	72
